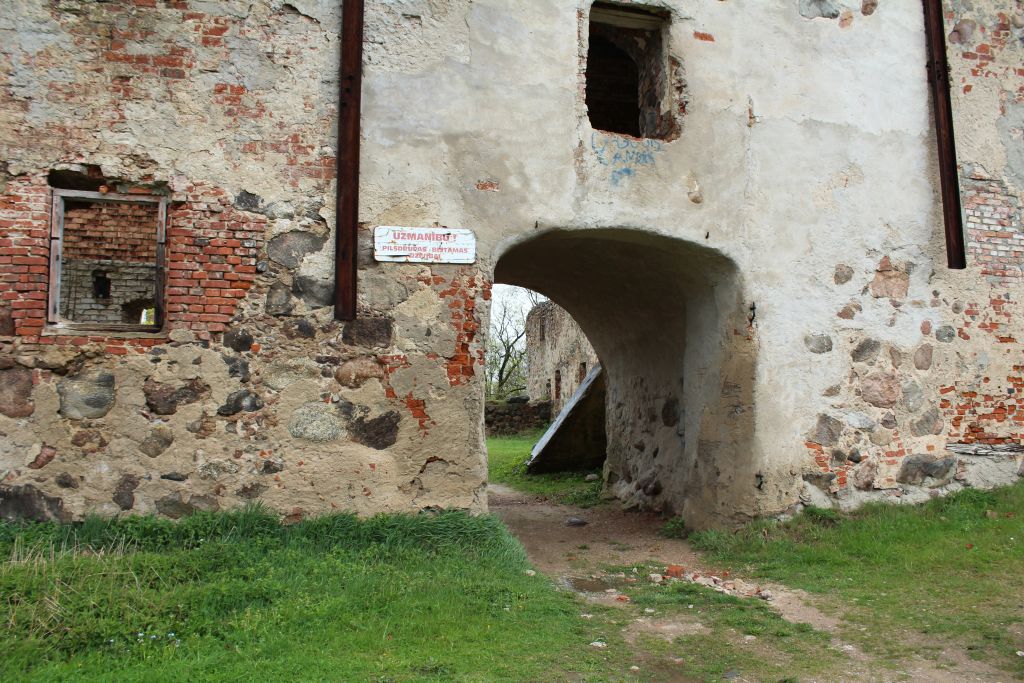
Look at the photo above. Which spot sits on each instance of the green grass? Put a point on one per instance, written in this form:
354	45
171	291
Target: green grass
506	459
239	597
951	570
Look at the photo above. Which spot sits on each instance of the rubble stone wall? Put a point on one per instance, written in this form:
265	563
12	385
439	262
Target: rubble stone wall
766	290
560	348
516	418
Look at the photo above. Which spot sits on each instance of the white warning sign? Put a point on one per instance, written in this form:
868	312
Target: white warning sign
424	245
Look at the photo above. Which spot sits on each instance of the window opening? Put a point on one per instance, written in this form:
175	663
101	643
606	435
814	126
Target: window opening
628	71
558	384
100	285
582	372
106	260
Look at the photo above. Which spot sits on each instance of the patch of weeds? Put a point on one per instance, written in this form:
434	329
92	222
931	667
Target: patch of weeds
674	528
821	516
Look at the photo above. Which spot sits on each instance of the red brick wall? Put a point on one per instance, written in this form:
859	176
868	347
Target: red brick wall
25	252
211	250
995	238
115	231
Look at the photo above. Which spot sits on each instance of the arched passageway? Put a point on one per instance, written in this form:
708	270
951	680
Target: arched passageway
667	318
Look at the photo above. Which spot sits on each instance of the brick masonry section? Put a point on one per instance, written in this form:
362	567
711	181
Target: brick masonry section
115	231
993	224
211	250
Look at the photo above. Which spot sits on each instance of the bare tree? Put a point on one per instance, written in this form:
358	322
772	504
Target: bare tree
506	343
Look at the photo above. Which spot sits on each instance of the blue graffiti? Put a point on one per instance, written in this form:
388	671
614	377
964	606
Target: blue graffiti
623	155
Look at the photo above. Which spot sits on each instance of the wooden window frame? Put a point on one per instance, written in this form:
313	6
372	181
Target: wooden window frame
53	318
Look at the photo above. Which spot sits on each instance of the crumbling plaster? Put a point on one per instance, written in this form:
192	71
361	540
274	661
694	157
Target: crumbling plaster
799	199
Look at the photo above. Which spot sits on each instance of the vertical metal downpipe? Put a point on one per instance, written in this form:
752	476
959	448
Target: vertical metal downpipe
350	86
938	78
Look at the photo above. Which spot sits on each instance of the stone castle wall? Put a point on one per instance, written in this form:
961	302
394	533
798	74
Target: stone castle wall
766	287
558	355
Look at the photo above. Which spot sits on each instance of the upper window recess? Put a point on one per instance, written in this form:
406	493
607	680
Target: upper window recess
107	261
628	71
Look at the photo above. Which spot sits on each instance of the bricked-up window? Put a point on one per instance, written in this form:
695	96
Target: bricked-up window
627	79
107	261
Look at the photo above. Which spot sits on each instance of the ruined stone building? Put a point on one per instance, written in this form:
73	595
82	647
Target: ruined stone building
558	355
739	204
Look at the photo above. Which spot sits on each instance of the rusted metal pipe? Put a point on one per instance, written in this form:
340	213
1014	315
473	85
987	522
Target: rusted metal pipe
350	87
938	78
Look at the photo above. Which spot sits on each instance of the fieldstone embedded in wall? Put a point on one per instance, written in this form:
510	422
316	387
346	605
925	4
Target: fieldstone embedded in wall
239	339
881	390
818	343
380	432
43	458
368	332
158	441
290	248
927	470
890	281
176	506
124	496
815	9
89	395
240	400
279	300
165	399
282	373
16	392
26	502
354	373
317	422
315	292
923	357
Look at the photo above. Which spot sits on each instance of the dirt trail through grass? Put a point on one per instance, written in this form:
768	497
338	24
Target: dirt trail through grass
691	635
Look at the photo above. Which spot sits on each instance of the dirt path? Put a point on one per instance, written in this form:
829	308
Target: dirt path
575	555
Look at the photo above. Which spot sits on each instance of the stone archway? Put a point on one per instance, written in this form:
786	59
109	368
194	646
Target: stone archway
668	320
